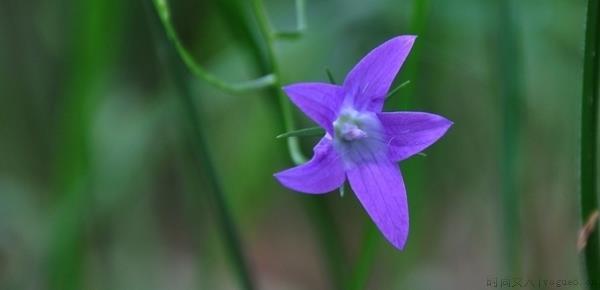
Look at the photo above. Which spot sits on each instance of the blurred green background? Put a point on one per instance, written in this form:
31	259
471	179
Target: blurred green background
99	188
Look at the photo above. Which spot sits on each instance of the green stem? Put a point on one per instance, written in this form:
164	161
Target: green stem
589	129
164	13
321	215
367	252
413	172
96	25
285	106
205	164
322	220
231	235
510	69
300	23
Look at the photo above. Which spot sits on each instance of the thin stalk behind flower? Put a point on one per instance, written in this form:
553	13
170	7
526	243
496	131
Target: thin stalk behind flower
365	259
321	216
206	165
243	31
285	106
162	8
95	26
406	99
589	131
510	73
322	220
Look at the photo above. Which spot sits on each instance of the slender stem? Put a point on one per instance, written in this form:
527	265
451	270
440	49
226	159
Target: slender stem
96	25
205	164
321	215
368	251
230	232
300	23
269	80
413	172
509	71
322	220
301	15
285	106
589	131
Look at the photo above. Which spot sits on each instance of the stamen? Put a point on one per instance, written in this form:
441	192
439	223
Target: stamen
349	126
351	132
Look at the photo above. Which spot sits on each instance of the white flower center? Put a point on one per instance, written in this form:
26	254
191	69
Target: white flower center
358	137
350	132
349	126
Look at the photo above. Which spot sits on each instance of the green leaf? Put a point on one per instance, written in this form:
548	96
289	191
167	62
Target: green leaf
312	131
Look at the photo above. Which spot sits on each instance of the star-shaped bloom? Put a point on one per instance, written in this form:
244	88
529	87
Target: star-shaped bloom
363	144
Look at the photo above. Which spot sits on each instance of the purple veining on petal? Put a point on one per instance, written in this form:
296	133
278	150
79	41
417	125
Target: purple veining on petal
411	132
321	102
362	143
322	174
347	144
369	81
380	189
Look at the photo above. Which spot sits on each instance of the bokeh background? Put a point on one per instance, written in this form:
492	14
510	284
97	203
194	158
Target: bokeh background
100	187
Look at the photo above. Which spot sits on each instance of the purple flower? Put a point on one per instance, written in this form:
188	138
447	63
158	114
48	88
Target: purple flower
362	143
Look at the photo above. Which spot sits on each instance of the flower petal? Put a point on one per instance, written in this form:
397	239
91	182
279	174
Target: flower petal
319	101
322	174
380	189
370	80
409	133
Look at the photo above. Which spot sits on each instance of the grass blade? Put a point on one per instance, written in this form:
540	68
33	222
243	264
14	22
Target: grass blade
320	214
510	76
96	25
589	137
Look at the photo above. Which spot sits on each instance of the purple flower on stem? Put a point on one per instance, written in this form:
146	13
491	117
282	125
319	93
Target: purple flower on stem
362	143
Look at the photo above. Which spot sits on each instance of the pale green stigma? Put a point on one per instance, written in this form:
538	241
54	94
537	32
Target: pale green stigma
348	126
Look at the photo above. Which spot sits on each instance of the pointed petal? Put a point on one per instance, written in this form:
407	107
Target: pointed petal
322	174
409	133
380	189
321	102
370	80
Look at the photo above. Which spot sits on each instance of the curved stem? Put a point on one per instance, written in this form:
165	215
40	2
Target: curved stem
589	131
206	165
320	214
300	23
285	106
163	11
